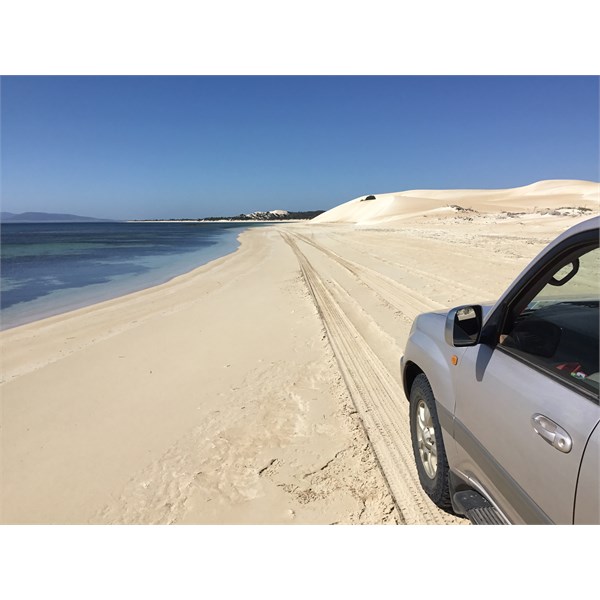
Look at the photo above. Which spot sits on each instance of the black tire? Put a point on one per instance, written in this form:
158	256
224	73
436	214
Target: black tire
433	480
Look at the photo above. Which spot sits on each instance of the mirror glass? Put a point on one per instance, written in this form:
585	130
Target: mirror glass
466	313
467	325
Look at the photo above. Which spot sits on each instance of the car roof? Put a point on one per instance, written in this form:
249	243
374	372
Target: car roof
589	224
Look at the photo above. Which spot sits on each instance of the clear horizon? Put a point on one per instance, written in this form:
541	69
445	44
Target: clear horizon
196	146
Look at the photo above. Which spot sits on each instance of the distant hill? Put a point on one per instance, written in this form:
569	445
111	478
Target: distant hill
42	217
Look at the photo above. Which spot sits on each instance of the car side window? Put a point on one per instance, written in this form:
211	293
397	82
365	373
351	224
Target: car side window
558	328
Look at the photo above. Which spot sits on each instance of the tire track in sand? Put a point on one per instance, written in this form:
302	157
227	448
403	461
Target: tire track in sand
379	401
446	282
397	295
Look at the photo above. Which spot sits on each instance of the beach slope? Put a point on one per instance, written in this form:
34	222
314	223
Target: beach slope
214	398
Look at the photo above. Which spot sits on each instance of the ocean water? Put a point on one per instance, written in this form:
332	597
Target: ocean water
50	268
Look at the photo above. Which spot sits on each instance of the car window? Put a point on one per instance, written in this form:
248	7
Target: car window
558	328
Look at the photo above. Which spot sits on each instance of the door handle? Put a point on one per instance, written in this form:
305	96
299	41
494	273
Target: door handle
552	433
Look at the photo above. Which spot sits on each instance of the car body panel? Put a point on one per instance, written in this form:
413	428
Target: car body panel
486	403
425	347
499	397
587	500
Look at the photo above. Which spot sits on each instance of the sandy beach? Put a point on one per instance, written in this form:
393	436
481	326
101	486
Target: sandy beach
263	387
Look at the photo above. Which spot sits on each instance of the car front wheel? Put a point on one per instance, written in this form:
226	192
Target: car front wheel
427	442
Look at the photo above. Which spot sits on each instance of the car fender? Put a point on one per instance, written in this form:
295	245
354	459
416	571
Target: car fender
428	352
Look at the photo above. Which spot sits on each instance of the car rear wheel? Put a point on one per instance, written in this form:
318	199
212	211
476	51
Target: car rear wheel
427	442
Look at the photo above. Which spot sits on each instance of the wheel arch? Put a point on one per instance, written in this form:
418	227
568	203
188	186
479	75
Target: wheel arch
411	371
426	352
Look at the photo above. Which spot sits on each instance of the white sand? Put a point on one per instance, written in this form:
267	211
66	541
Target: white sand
227	396
534	198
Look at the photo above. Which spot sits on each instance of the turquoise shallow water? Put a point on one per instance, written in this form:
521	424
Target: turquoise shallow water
50	268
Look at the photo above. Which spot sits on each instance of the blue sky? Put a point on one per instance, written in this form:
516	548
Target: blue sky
153	147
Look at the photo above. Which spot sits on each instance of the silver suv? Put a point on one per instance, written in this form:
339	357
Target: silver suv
504	409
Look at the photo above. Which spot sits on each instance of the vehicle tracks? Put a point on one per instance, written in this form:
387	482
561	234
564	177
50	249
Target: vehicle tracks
397	295
443	281
378	398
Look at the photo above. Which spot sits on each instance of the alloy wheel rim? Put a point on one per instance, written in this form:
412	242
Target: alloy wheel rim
426	439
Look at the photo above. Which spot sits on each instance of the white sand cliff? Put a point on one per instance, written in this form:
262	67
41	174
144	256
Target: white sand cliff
263	387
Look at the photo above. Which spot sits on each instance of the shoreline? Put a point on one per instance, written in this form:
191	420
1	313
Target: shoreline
112	304
184	403
108	291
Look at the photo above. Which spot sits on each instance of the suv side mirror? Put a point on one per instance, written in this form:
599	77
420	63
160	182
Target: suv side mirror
463	326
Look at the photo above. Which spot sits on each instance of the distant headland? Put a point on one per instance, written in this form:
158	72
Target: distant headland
43	217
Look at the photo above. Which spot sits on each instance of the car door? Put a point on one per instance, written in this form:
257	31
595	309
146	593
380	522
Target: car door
527	403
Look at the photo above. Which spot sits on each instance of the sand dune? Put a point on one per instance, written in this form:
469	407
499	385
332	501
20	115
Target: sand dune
535	198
